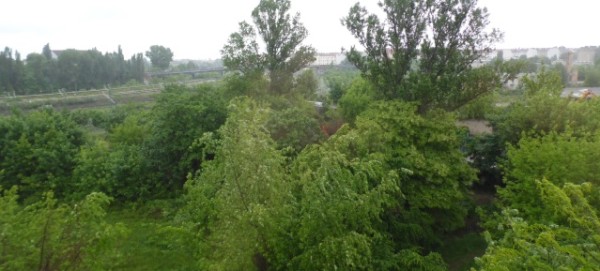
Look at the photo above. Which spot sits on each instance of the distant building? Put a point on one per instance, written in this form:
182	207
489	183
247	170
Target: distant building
531	53
324	59
553	53
586	56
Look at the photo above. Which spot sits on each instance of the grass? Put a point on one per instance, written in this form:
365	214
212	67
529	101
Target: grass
153	244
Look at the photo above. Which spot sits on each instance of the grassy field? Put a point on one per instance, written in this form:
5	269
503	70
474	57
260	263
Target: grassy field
152	242
88	98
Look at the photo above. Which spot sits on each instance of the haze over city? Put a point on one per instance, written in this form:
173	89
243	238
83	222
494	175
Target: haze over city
198	30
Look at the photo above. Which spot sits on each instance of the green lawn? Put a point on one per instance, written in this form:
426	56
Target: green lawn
152	244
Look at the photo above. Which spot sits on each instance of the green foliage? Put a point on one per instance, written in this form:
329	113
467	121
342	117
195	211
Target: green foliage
254	85
153	243
114	169
542	110
239	194
424	50
295	127
485	152
338	81
51	236
282	35
241	53
426	153
160	56
546	83
380	192
180	116
71	70
132	131
341	201
306	85
38	152
478	108
561	158
568	240
356	99
539	111
76	70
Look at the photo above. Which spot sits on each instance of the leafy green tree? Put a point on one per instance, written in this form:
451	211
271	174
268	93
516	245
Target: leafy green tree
562	158
46	52
375	197
423	51
241	53
306	85
38	151
479	108
295	126
69	73
568	239
12	72
592	77
37	66
338	81
116	166
282	35
135	68
356	99
51	236
19	75
160	56
180	116
239	195
542	110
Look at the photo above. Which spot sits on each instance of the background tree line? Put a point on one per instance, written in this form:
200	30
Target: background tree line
242	176
69	70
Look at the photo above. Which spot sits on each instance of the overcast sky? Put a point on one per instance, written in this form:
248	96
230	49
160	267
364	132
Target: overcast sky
198	29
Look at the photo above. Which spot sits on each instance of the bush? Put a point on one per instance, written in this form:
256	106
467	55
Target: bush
38	152
51	236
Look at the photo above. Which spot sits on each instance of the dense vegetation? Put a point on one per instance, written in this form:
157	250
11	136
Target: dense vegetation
248	174
69	69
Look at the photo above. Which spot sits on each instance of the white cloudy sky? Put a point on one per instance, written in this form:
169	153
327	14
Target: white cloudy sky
198	29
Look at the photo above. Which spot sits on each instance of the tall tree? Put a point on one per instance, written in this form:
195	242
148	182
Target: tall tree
47	52
423	50
240	194
282	34
160	56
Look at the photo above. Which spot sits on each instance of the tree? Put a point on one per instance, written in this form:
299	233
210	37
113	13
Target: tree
160	56
115	166
50	236
356	99
377	196
38	151
568	239
562	158
423	51
180	116
282	35
241	53
47	52
307	85
239	195
37	66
